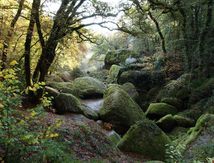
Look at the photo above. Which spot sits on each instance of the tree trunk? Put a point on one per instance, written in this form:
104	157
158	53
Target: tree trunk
10	34
34	10
163	44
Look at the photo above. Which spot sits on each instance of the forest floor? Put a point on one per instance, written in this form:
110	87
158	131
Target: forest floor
88	139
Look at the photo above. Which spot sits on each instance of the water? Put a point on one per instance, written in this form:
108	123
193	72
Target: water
94	104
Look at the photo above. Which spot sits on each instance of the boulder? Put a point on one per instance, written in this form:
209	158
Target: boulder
113	73
118	56
88	87
199	141
83	87
173	88
174	102
142	79
67	103
167	123
119	109
184	121
158	110
145	138
131	90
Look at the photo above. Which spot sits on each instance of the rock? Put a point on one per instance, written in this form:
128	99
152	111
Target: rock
88	87
53	78
89	113
51	91
67	103
174	102
174	86
167	123
113	73
145	138
131	90
64	87
193	113
183	121
118	56
158	110
83	87
199	142
119	109
142	79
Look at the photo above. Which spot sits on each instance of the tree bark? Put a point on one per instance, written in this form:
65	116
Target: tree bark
10	34
163	44
34	11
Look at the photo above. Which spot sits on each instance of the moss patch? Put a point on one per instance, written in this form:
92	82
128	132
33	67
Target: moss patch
158	110
145	138
119	109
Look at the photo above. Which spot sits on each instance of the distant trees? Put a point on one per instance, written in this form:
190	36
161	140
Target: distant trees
180	26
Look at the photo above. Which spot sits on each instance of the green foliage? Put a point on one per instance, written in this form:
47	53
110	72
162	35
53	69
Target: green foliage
22	138
173	153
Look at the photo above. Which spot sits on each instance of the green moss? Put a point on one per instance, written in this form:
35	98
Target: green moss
158	110
113	73
119	109
82	87
174	86
145	138
174	102
184	121
67	103
167	123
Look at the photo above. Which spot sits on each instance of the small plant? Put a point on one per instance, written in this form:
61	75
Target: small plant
173	153
23	139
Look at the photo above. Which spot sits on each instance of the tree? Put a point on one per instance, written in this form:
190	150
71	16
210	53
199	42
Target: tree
10	34
69	19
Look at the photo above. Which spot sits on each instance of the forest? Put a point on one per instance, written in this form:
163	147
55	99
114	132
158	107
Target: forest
107	81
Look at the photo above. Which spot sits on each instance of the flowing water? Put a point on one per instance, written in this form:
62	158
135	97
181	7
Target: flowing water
94	104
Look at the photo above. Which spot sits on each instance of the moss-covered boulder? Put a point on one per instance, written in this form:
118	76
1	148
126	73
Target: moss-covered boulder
83	87
67	103
145	138
113	73
158	110
119	109
118	56
142	79
131	90
88	87
184	121
193	113
174	102
199	142
173	88
166	123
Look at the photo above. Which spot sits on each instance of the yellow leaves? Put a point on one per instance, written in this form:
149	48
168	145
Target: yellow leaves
33	114
30	139
1	106
13	63
52	135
